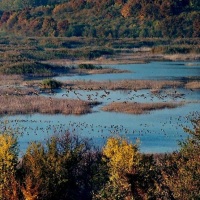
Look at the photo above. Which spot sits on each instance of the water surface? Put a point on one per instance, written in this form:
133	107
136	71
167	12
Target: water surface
158	131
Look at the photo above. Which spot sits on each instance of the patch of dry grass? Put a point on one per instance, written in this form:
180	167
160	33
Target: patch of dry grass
10	80
182	57
11	105
122	85
193	85
18	91
138	108
98	71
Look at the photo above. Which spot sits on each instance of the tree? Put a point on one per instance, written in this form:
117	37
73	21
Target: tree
21	4
49	26
64	167
195	4
8	163
196	26
7	4
181	170
121	158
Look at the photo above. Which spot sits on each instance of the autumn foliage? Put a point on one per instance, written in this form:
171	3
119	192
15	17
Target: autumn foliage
68	167
113	18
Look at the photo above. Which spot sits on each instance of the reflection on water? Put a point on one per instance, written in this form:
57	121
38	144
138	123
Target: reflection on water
158	131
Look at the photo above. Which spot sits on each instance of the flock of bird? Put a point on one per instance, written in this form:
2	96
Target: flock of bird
25	127
31	127
34	128
129	95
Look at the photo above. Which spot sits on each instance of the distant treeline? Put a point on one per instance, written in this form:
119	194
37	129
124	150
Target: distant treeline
101	18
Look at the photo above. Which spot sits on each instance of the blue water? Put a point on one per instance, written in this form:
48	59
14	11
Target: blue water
149	71
158	131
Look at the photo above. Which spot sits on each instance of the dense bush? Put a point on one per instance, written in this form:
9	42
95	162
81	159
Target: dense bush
27	68
31	68
88	66
50	84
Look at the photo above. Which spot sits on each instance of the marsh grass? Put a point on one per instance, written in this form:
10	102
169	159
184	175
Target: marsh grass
122	85
178	57
193	85
97	71
139	108
83	67
10	79
18	91
12	105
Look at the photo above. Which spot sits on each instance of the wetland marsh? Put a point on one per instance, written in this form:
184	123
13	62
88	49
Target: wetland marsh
173	84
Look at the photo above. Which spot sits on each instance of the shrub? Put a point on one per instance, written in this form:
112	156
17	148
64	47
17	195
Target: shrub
88	66
27	68
50	84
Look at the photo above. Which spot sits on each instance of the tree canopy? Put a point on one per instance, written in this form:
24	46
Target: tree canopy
102	19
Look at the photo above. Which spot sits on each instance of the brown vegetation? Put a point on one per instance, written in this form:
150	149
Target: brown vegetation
10	79
97	71
71	65
119	58
35	104
138	108
183	57
193	85
132	57
18	91
122	85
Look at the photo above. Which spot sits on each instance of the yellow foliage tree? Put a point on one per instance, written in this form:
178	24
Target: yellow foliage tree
121	158
8	162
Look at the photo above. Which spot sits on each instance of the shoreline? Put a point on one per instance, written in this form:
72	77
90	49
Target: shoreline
127	58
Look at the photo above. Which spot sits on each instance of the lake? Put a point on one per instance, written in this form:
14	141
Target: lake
158	131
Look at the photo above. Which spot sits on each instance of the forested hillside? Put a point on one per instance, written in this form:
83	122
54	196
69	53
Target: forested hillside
101	18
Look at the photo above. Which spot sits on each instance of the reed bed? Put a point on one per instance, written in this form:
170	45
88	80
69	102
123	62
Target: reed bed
18	91
139	108
193	85
10	80
98	71
122	85
185	57
46	105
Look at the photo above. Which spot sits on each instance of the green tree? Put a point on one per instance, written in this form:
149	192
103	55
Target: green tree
50	84
181	170
7	5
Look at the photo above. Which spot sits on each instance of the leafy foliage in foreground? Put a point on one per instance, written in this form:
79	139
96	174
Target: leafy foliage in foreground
182	169
8	163
68	167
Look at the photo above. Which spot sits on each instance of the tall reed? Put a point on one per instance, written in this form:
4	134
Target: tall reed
138	108
122	85
37	104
